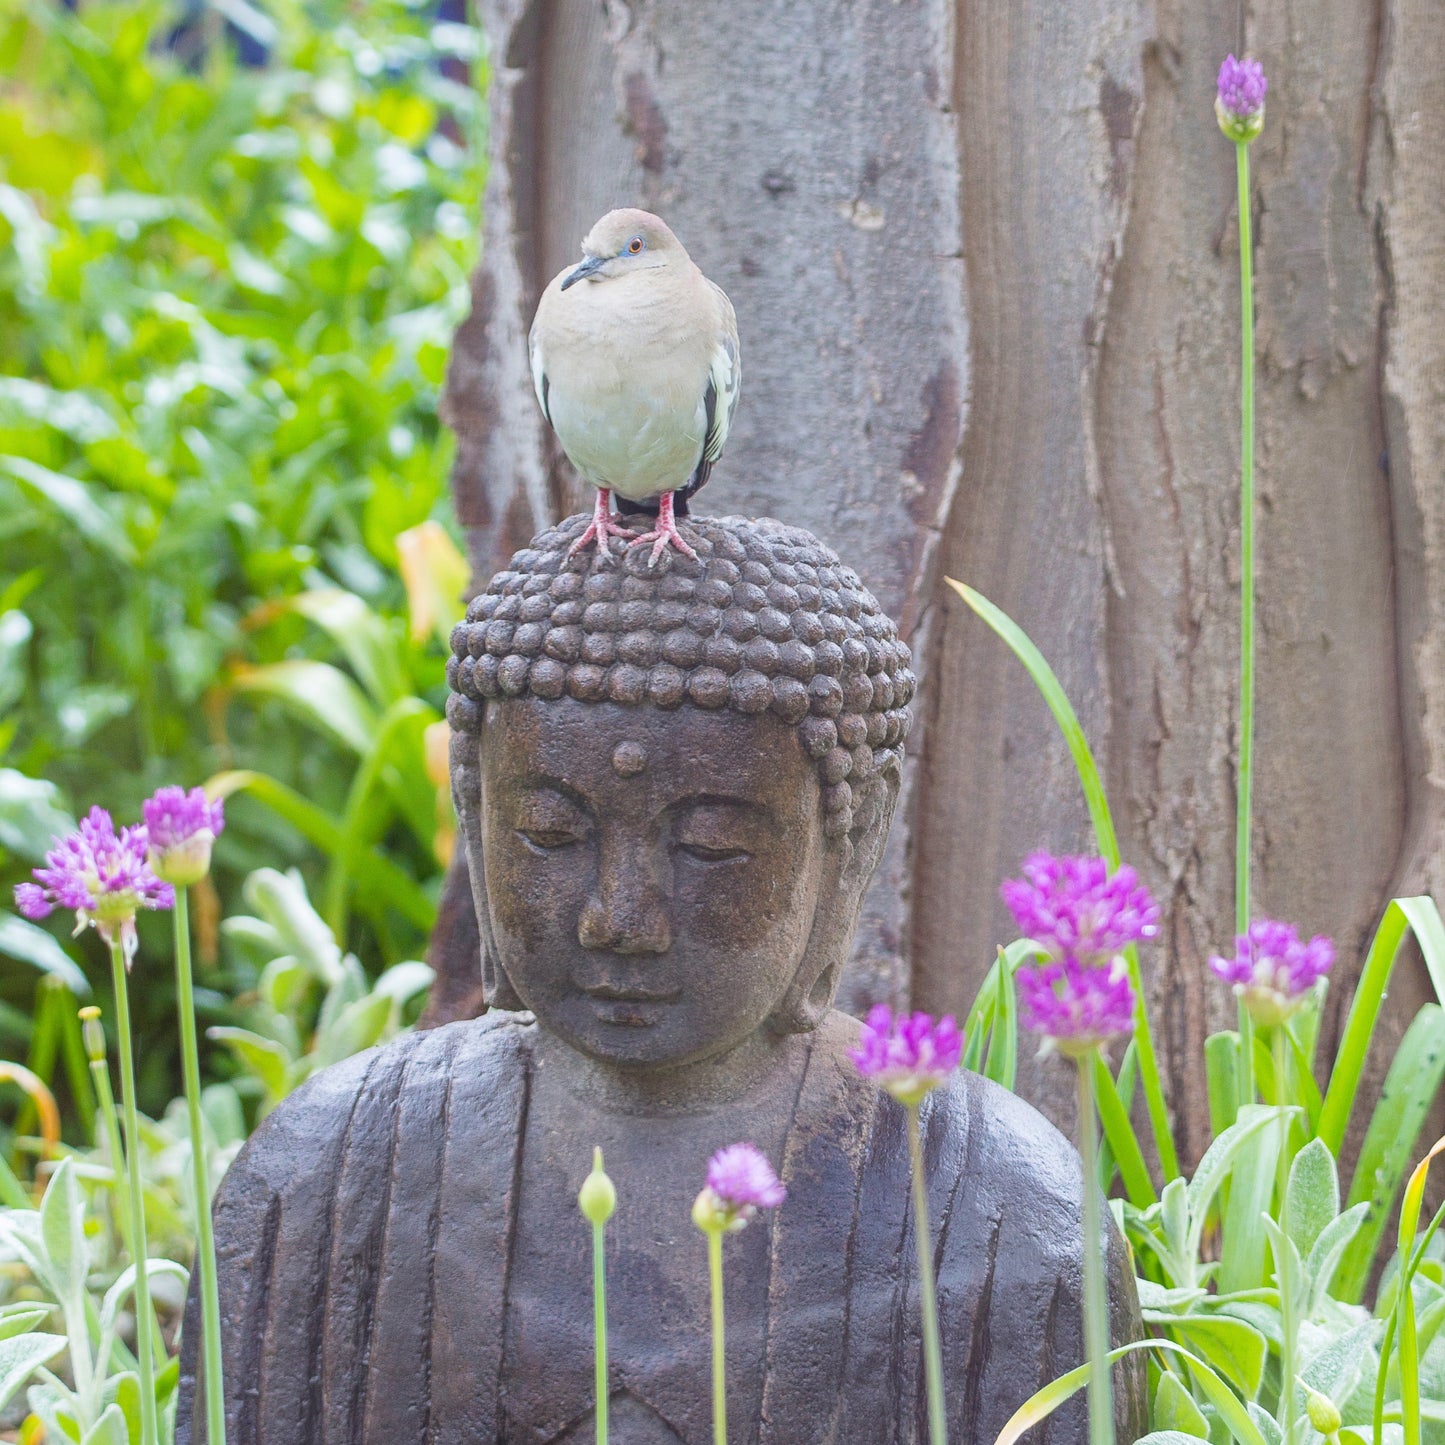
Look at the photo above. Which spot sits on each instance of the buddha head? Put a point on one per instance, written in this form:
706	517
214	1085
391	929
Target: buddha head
674	784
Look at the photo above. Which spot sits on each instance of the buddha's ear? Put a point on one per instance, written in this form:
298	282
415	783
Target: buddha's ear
497	990
848	865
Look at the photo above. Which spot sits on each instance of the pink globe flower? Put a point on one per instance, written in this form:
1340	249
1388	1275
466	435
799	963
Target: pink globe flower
181	827
1273	970
1076	1006
909	1055
1074	907
103	876
740	1181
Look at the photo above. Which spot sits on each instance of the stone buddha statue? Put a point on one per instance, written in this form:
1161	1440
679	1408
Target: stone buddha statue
674	784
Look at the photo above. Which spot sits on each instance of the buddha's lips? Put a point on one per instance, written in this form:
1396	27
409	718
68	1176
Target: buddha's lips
608	993
631	1007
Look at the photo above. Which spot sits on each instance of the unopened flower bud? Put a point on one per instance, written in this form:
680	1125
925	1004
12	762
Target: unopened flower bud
92	1034
1239	99
709	1213
597	1198
1323	1412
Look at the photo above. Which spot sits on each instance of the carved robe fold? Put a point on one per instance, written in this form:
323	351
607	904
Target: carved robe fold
366	1236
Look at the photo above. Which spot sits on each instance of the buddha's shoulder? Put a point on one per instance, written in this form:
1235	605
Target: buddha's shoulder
1000	1146
489	1052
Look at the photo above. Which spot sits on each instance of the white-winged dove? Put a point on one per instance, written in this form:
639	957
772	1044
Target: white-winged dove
636	364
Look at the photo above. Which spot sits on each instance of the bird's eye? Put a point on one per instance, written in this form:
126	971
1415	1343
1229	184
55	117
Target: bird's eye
636	246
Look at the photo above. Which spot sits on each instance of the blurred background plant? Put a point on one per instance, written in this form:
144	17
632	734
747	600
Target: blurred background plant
233	248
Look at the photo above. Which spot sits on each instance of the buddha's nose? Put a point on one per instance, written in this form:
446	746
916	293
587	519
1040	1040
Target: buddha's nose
627	910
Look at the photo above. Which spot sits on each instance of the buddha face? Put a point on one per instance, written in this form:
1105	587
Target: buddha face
652	876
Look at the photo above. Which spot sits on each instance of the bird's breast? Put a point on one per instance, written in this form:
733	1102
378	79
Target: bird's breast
626	398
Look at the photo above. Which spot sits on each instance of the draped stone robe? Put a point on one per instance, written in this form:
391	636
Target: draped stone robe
367	1235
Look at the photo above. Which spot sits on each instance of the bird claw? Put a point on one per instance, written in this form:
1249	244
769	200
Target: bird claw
664	533
599	530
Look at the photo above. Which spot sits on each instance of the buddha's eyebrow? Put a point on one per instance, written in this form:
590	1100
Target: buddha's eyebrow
722	800
545	783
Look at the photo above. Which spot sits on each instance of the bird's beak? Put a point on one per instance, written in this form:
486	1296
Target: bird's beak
589	267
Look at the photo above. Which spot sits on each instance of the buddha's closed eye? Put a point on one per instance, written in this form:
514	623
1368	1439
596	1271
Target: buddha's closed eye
715	831
547	821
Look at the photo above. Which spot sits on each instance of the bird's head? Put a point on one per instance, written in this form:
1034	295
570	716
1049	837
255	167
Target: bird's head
626	243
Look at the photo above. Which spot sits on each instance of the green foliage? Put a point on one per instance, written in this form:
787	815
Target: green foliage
64	1263
312	1004
1252	1264
226	298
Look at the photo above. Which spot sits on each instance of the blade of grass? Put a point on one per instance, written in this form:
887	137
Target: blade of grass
1042	1403
1098	805
1390	1141
1123	1142
1423	918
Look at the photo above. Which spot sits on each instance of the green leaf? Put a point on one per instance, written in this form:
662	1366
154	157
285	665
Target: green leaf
316	691
1221	1071
1312	1197
377	877
1234	1348
1421	915
1390	1142
74	502
1175	1412
31	818
19	938
281	899
1042	1403
1174	1437
1329	1249
264	1059
360	1025
1217	1162
403	981
62	1230
110	1429
367	641
21	1318
1242	1250
1098	805
1123	1143
21	1356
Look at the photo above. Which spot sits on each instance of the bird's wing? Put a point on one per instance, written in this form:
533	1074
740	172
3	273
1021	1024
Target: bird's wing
724	384
725	378
539	372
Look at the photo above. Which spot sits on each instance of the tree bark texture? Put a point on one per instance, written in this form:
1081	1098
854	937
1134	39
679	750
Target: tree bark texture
984	260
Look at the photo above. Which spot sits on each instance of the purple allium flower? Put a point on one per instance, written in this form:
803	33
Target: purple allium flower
103	876
1273	969
1074	908
181	827
1239	103
909	1055
1075	1005
740	1181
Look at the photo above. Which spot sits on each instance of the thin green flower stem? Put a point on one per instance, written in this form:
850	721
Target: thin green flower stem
215	1391
1289	1326
111	1119
1245	788
1096	1304
719	1347
599	1329
927	1293
137	1198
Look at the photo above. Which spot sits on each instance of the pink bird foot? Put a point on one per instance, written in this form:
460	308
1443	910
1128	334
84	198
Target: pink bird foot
599	529
664	533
